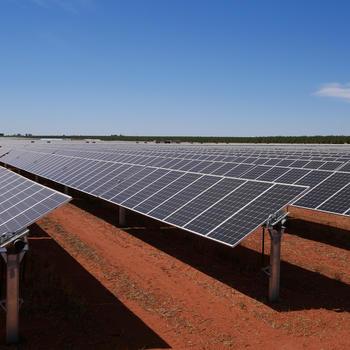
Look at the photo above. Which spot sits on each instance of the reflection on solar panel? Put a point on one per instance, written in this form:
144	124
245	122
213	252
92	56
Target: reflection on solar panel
22	202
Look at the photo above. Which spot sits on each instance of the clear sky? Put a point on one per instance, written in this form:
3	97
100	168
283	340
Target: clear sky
175	67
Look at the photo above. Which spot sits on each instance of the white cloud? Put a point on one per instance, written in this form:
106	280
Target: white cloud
336	90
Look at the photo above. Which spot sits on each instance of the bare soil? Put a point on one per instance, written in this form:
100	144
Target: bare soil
90	285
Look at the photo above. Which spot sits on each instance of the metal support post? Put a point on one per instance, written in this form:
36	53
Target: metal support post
263	247
13	255
36	178
275	263
65	190
122	216
12	298
275	226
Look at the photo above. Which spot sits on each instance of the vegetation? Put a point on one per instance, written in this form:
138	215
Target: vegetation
331	139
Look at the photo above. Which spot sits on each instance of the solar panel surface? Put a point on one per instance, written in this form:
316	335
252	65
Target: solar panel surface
280	164
184	185
22	202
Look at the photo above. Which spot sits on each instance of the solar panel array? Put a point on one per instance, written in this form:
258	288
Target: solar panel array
305	166
22	202
171	185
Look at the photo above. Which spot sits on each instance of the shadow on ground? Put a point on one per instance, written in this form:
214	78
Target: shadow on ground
239	268
67	308
320	233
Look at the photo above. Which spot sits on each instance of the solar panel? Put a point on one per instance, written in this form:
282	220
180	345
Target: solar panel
115	177
172	183
225	207
345	167
314	164
239	170
204	201
313	178
225	168
331	165
104	177
256	172
273	174
199	167
292	176
273	161
338	203
136	187
212	167
250	217
178	201
123	185
152	188
324	190
22	202
296	164
167	192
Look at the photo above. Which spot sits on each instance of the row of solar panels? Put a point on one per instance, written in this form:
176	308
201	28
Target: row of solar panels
260	167
22	202
211	147
311	152
219	208
329	190
324	162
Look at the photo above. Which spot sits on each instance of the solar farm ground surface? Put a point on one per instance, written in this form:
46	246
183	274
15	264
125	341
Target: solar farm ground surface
91	285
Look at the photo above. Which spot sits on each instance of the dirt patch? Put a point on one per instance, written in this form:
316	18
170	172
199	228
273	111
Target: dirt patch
149	287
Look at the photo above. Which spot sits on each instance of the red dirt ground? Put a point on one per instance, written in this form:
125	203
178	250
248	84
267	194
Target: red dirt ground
156	287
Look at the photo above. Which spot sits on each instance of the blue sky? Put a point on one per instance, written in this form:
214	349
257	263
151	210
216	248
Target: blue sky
175	67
